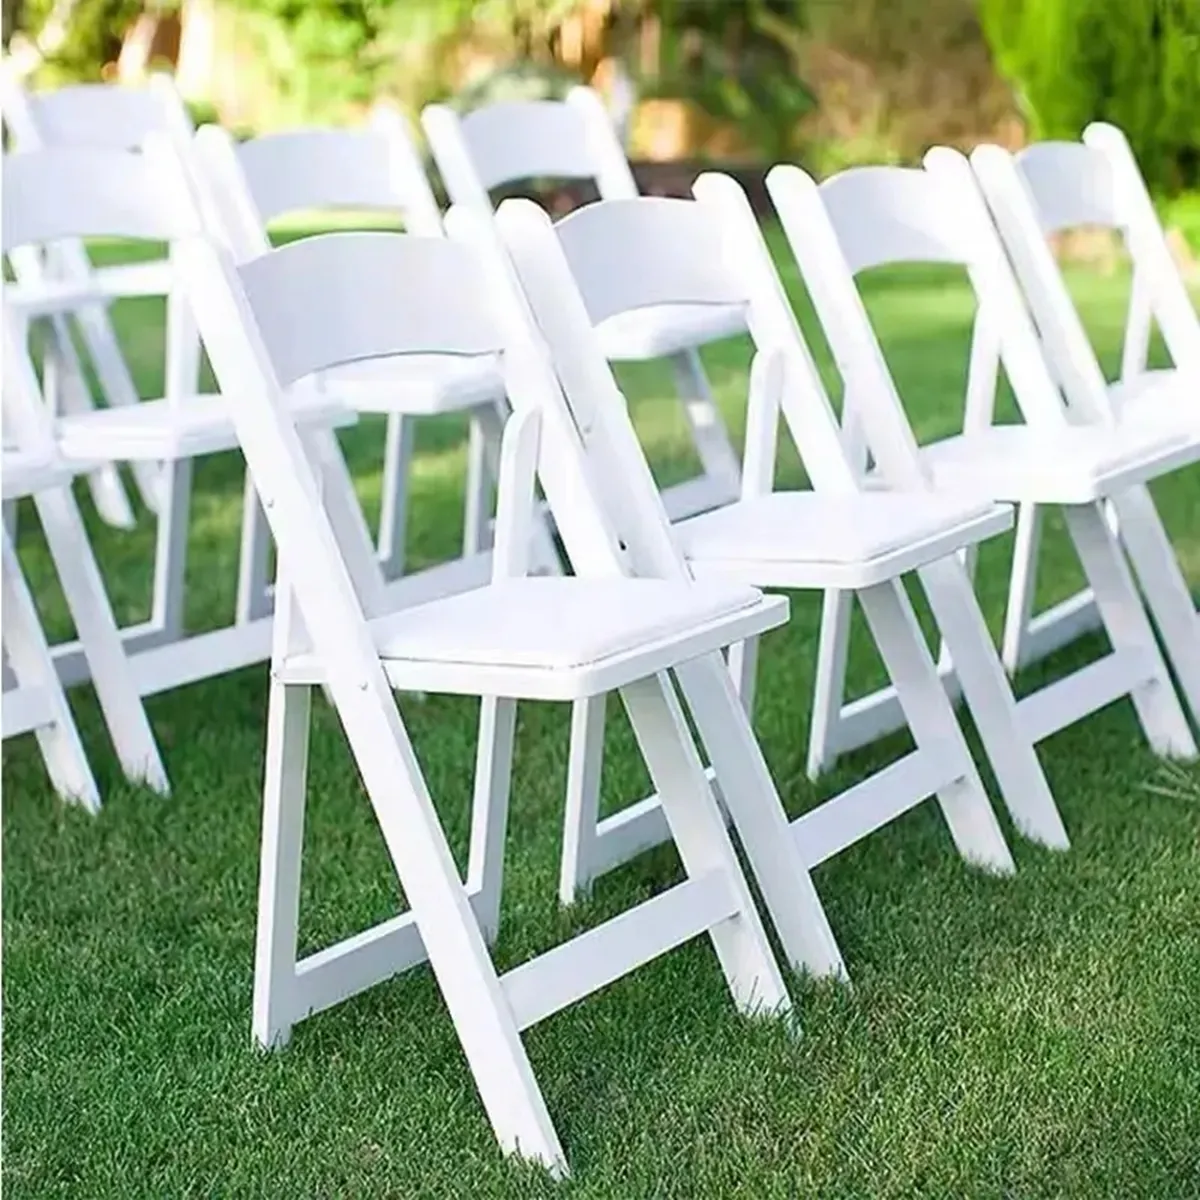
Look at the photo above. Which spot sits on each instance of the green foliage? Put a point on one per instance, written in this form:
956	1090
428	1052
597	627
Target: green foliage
739	60
316	53
1132	62
94	30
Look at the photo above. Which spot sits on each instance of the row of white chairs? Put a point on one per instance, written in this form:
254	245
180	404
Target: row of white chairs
295	334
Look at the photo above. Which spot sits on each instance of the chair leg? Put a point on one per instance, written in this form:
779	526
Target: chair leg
987	691
32	667
253	585
393	514
700	837
108	664
489	809
582	812
170	552
284	789
1164	587
477	511
1022	587
935	729
449	931
830	690
756	810
1128	628
743	669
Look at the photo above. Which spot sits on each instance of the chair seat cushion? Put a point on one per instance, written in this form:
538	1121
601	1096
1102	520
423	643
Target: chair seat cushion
554	623
811	527
184	428
667	329
420	384
1076	464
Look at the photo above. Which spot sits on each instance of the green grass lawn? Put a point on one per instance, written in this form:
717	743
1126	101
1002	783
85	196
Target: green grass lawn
1037	1036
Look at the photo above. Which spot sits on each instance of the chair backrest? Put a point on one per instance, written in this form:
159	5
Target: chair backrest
1054	186
377	168
703	251
532	139
60	194
310	306
103	116
71	192
55	198
870	217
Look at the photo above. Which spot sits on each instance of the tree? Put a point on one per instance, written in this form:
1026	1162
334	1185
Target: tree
1131	62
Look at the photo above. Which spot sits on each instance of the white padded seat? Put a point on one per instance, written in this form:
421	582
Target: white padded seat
805	540
162	430
1076	465
666	329
561	638
418	384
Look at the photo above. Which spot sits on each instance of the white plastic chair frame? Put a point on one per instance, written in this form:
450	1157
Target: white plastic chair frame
575	139
882	215
339	298
98	116
32	469
377	168
1046	188
82	193
711	251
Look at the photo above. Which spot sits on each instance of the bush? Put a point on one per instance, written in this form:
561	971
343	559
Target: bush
1131	62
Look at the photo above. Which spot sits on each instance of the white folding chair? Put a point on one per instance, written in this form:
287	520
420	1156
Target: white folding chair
310	307
57	194
710	251
873	216
374	169
575	139
1046	188
31	469
101	116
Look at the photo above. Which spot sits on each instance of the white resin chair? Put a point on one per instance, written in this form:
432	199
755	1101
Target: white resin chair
376	170
56	194
874	216
1054	186
99	116
33	698
575	139
710	251
340	298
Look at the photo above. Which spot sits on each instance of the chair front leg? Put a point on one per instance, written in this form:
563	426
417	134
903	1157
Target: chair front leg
489	810
393	513
1129	629
829	690
284	790
1164	587
582	813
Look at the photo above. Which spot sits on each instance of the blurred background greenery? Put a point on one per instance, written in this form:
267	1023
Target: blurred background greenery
827	82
